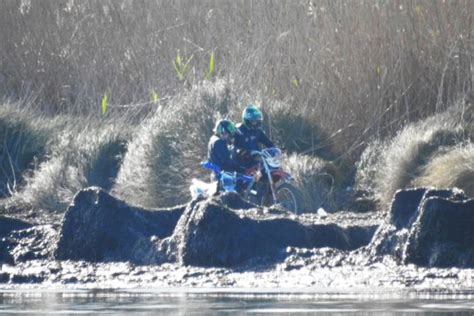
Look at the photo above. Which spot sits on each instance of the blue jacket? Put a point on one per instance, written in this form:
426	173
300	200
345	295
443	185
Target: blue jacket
248	140
219	154
251	138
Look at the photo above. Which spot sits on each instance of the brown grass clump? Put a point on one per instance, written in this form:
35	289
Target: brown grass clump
316	178
24	140
454	168
76	160
164	154
388	166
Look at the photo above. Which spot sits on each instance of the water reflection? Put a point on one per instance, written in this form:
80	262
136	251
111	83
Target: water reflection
198	302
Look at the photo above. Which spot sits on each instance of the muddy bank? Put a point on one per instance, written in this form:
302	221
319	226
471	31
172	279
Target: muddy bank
223	236
375	277
223	231
7	226
98	227
427	227
211	234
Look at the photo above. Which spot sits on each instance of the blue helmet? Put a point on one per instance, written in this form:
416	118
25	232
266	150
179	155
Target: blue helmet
252	117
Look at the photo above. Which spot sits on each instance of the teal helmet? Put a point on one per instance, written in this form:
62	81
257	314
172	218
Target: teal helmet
225	126
252	116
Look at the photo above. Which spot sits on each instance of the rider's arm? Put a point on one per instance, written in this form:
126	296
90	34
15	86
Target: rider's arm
263	139
240	152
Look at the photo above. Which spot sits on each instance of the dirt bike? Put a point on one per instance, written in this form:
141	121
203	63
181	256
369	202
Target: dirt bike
267	184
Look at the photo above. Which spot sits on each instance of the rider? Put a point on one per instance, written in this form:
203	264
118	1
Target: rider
251	135
218	152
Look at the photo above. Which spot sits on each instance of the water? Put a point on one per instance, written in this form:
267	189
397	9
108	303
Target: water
218	301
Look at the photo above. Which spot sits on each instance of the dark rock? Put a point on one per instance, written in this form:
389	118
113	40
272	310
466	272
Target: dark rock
71	280
99	227
26	279
221	231
5	256
404	206
387	240
4	277
211	234
406	218
7	225
443	235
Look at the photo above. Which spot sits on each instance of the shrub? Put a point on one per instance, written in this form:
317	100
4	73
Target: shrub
81	157
294	128
317	179
367	167
405	156
165	153
24	139
453	168
357	66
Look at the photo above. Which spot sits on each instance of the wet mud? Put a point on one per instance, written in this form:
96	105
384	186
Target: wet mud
425	240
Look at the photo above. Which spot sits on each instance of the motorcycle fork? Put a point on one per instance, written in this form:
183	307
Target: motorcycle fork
270	182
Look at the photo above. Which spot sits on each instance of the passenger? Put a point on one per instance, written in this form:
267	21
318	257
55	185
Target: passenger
218	151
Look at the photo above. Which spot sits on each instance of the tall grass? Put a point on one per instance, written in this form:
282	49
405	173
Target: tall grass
79	158
361	67
453	168
397	163
330	76
24	141
298	131
165	153
368	166
47	158
149	161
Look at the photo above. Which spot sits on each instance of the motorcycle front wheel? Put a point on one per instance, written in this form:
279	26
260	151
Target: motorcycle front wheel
289	197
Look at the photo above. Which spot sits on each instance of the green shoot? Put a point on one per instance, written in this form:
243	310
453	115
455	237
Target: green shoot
155	97
104	104
378	70
181	67
212	63
296	82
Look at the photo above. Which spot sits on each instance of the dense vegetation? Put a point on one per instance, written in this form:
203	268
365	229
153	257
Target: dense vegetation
136	85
